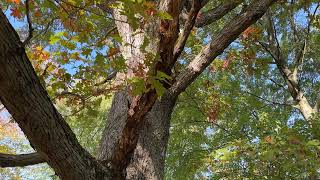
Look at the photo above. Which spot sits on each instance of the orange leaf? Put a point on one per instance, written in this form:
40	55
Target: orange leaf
37	13
14	1
113	51
15	12
269	139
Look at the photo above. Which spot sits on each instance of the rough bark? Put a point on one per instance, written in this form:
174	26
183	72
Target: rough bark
149	156
147	160
217	13
119	152
29	104
10	160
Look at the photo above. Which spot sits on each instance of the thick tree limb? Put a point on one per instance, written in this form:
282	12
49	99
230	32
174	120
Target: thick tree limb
226	36
11	160
169	33
29	104
217	13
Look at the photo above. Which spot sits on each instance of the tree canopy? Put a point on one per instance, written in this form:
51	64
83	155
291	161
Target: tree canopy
91	85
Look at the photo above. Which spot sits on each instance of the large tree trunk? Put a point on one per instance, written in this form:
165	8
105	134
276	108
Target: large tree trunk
148	157
29	104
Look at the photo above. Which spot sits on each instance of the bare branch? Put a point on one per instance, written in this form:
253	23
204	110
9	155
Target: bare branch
291	77
30	33
273	48
223	39
266	100
276	83
2	107
293	23
11	160
316	107
313	15
302	50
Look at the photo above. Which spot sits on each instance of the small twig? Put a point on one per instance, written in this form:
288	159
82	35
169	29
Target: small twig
204	114
276	83
108	78
82	99
30	33
274	103
45	30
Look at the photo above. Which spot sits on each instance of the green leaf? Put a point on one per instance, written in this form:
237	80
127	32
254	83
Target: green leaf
314	142
56	37
54	40
268	155
163	76
138	85
157	85
164	15
99	60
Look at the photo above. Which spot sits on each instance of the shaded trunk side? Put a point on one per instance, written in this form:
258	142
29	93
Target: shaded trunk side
148	157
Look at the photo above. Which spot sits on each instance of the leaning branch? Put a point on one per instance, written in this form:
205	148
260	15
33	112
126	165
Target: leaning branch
217	13
223	39
11	160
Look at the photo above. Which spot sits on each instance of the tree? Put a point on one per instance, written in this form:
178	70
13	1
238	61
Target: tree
134	142
269	137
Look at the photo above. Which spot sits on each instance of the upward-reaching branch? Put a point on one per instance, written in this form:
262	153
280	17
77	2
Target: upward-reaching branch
223	39
189	24
290	76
